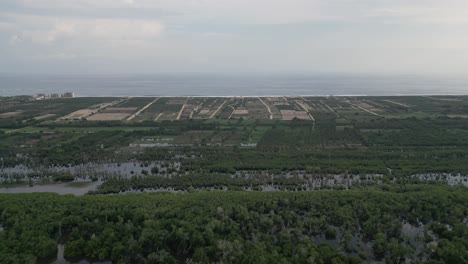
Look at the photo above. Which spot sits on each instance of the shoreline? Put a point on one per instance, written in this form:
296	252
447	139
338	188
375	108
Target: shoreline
250	96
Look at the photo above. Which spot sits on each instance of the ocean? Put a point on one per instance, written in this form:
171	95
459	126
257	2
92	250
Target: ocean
230	85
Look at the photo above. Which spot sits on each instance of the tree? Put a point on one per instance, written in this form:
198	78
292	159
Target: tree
160	257
380	245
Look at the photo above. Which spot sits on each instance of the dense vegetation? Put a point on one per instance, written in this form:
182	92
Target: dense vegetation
350	187
241	227
404	146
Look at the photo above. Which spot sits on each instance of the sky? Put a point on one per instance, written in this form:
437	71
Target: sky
427	37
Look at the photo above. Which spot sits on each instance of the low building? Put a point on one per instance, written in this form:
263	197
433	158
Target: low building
68	95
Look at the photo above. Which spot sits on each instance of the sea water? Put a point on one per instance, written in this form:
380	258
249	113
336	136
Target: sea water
230	85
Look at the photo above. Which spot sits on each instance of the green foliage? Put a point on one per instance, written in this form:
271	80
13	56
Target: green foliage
235	227
63	177
366	223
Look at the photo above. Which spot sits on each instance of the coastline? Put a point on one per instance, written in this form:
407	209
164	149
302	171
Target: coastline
273	96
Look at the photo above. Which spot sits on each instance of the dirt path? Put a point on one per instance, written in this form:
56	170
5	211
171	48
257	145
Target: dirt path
103	106
331	109
269	110
366	110
219	108
323	107
397	103
182	109
142	109
196	109
233	110
160	114
310	115
305	109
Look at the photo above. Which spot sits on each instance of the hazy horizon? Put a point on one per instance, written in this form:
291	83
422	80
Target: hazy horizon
230	84
391	37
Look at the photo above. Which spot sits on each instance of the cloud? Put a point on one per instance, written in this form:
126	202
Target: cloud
249	12
6	26
57	4
56	56
49	31
119	28
15	40
423	14
234	34
58	31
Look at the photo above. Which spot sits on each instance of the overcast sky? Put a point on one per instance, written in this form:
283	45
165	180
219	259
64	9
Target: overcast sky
153	36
